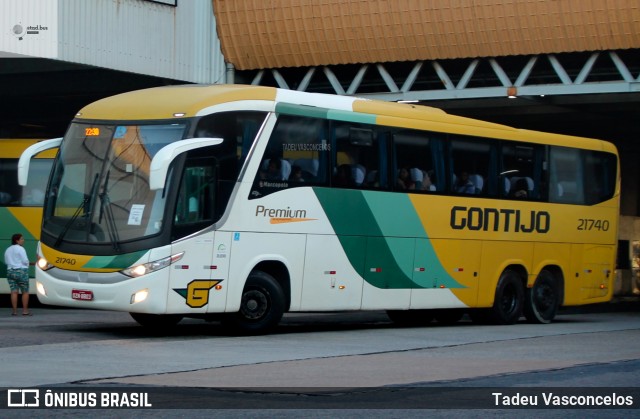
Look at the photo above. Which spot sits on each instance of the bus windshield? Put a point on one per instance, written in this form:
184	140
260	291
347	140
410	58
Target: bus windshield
99	189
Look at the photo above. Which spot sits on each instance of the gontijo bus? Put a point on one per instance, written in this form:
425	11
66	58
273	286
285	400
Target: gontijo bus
21	206
253	201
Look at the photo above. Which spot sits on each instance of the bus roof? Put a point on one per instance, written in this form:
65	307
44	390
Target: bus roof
167	101
170	102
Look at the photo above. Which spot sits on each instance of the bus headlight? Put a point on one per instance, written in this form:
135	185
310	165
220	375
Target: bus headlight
41	289
139	296
43	264
146	268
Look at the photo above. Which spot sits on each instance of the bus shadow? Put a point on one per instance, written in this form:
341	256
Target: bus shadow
298	323
291	324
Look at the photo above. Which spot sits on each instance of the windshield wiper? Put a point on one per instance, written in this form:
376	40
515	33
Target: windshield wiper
78	211
105	209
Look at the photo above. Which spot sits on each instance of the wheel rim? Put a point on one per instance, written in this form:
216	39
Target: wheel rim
254	304
544	297
509	300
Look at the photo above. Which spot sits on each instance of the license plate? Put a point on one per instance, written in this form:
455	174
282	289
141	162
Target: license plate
83	295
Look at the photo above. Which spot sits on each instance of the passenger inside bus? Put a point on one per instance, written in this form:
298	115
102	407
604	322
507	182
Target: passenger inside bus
464	185
343	177
296	174
428	181
358	173
309	168
373	179
520	190
276	169
404	181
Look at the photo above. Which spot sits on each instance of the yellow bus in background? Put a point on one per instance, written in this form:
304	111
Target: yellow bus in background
245	202
21	206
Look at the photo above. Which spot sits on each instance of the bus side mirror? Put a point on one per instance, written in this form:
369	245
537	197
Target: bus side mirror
28	153
163	158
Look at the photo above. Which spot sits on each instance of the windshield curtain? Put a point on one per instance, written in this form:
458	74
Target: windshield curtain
100	186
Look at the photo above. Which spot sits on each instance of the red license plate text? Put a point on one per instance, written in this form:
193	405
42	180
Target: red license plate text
82	295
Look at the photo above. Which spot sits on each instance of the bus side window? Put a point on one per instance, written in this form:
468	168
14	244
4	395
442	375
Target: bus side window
9	189
357	155
296	155
566	175
195	196
414	162
521	170
472	166
581	176
600	176
33	193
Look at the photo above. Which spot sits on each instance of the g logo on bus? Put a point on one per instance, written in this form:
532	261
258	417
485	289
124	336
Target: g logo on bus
197	292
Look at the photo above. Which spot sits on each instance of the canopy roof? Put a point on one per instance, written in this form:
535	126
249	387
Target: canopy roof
302	33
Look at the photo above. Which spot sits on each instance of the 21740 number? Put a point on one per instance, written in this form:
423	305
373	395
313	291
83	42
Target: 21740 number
592	224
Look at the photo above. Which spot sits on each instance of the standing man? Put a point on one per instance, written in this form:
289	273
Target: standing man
18	274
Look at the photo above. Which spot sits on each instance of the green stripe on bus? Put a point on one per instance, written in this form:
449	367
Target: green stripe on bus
356	227
324	113
115	262
383	238
301	110
394	214
363	118
396	217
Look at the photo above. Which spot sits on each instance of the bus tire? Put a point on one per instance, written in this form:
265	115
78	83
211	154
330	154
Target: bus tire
410	317
542	299
156	321
509	299
261	306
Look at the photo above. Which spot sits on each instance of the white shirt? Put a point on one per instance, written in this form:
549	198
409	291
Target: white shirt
16	257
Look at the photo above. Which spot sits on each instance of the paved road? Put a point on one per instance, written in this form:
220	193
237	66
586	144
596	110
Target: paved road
312	354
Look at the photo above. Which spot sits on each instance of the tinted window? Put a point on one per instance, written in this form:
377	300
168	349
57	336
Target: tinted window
470	166
297	155
415	166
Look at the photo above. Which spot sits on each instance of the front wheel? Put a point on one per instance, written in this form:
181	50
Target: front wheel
261	306
509	299
542	300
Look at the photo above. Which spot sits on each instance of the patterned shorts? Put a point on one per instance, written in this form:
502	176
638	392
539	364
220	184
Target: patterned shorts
18	280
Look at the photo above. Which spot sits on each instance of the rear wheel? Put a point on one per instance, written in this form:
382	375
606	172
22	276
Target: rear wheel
542	300
261	306
509	299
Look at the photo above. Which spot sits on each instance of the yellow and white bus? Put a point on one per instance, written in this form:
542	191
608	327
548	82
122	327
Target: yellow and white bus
21	206
253	201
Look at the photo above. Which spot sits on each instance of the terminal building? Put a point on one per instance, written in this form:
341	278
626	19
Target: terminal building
569	66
